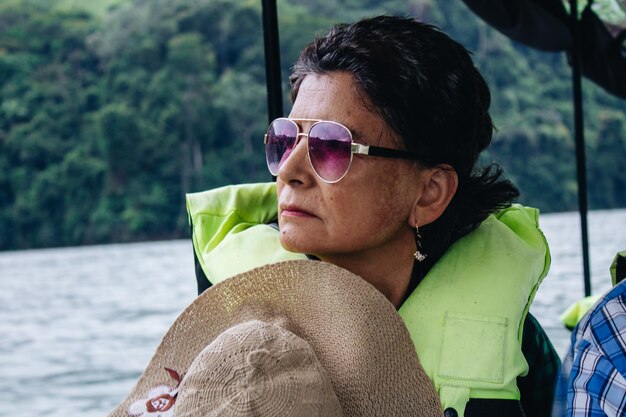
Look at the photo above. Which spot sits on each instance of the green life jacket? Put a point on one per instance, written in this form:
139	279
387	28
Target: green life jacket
472	305
466	316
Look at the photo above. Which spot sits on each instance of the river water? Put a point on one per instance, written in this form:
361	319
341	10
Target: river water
79	325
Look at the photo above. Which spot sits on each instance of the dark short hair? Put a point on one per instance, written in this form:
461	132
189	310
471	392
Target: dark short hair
427	89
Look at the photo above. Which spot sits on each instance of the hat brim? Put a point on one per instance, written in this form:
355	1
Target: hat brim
354	330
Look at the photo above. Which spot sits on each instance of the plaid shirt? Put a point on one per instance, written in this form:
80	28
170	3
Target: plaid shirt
593	376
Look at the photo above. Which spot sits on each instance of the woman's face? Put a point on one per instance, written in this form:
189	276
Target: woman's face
369	209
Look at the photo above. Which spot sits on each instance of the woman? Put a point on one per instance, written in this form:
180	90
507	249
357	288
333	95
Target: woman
375	172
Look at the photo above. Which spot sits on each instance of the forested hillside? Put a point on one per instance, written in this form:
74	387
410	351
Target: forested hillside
110	111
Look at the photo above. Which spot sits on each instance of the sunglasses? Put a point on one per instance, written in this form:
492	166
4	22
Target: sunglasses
329	147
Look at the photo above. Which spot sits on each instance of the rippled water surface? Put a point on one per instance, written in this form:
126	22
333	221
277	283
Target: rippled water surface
80	324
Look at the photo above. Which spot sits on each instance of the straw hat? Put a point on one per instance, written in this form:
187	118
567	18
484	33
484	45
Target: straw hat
295	338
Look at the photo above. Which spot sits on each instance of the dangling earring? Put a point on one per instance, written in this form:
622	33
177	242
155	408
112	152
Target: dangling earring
418	255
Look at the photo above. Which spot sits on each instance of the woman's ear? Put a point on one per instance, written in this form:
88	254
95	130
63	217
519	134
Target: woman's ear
439	186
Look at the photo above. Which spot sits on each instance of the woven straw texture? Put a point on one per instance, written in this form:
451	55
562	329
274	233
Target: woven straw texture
353	329
257	369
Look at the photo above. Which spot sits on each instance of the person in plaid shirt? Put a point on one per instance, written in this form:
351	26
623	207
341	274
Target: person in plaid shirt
593	377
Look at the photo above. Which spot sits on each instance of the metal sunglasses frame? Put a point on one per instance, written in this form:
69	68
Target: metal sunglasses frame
355	148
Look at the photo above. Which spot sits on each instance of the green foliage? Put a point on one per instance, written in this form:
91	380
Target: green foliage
111	111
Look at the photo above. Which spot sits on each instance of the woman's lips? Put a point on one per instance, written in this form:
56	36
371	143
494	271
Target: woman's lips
293	211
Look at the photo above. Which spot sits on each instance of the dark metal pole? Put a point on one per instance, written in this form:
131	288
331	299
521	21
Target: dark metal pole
580	140
272	60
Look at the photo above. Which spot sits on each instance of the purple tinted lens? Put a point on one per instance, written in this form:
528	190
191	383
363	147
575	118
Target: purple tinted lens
330	150
279	142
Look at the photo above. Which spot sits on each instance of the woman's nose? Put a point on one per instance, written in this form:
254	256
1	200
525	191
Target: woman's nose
295	167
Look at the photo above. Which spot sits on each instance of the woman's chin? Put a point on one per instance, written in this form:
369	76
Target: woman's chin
296	242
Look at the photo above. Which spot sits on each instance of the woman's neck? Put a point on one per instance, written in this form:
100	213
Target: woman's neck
387	268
